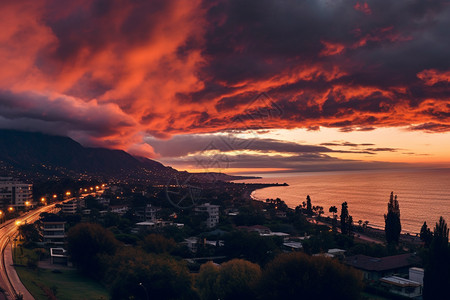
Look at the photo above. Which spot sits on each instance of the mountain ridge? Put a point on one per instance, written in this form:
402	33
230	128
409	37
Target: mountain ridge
33	154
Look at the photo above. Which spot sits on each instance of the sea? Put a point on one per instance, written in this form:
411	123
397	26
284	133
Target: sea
423	194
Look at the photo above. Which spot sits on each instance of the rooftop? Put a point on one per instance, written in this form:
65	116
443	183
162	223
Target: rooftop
398	281
369	263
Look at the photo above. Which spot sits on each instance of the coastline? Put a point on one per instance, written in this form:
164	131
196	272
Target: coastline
423	194
375	232
251	187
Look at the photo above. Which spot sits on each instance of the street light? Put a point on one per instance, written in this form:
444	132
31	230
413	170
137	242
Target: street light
145	289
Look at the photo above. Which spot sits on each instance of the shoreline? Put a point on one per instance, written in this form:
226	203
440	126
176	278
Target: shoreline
372	230
251	187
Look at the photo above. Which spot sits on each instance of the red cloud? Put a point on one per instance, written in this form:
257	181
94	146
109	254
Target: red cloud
331	49
108	73
431	77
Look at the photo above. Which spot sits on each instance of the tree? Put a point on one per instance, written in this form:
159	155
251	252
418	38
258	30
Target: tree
346	220
426	235
366	223
320	211
238	279
134	274
251	246
437	271
350	225
295	275
333	209
308	205
157	243
29	232
86	244
206	281
392	221
235	279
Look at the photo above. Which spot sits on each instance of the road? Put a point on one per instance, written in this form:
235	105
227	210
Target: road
358	235
9	280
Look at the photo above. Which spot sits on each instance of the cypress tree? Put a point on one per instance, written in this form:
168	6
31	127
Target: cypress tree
346	219
425	235
392	221
437	271
308	205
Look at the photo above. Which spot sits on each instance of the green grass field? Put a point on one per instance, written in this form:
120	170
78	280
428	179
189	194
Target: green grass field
68	284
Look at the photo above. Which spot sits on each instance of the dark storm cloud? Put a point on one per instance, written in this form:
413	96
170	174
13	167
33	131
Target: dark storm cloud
182	145
297	163
192	67
60	114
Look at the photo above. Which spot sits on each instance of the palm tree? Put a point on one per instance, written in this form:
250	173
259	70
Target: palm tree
366	223
333	209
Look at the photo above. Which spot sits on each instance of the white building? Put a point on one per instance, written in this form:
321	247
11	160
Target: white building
53	232
151	213
148	213
14	193
212	211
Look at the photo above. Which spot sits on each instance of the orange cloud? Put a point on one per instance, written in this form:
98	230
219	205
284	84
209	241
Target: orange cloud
433	76
110	73
331	49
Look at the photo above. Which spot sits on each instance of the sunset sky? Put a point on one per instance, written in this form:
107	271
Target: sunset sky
234	86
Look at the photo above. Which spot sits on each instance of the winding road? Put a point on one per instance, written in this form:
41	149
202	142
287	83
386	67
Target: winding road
9	280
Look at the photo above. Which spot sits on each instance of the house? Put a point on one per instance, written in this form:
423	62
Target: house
338	253
157	224
401	286
375	268
263	231
290	246
102	201
148	213
212	211
119	209
192	243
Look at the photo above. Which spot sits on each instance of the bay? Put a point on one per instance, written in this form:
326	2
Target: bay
423	195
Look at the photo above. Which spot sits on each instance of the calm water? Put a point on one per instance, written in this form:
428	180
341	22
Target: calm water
423	195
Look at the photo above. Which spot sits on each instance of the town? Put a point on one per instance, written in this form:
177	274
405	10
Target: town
120	235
